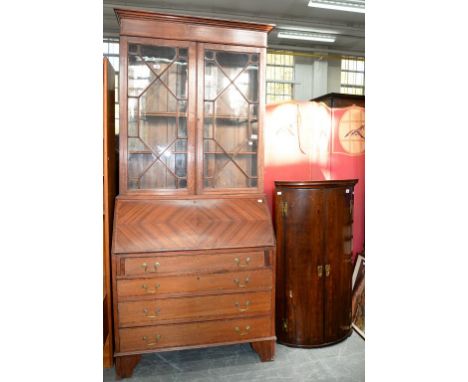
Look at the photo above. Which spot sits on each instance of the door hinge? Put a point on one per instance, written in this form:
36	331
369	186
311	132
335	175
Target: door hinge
284	208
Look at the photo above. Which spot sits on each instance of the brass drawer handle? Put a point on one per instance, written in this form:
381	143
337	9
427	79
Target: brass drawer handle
155	265
157	311
157	337
238	262
247	304
319	270
246	281
151	291
247	329
327	270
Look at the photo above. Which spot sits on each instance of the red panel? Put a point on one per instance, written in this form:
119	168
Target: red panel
310	141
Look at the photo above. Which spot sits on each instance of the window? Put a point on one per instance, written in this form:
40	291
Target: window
279	77
111	51
352	75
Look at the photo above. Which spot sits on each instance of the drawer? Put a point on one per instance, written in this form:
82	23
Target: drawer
193	263
196	333
195	283
152	311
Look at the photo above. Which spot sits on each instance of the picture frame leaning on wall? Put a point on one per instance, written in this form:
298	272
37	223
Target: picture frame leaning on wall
358	299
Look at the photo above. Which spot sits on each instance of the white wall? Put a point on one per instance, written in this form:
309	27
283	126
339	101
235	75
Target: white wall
316	77
303	75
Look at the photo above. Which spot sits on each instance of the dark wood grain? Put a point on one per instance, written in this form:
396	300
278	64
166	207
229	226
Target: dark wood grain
124	365
314	235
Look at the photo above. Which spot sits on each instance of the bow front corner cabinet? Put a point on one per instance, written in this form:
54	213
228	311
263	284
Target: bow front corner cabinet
314	229
193	254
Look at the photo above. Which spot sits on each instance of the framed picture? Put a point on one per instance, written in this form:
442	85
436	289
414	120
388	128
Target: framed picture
358	299
358	269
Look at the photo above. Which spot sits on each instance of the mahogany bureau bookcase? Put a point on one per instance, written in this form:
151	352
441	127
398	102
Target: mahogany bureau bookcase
314	228
193	255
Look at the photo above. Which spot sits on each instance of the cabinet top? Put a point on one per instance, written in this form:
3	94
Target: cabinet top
154	16
316	183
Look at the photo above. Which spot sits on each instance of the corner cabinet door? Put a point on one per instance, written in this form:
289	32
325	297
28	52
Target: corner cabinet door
230	108
338	267
157	116
301	212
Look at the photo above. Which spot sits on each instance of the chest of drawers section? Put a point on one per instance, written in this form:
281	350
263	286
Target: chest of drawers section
177	300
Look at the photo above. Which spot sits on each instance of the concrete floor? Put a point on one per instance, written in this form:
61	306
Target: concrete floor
343	362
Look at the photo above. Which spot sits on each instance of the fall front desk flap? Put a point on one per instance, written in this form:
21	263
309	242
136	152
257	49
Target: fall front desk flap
188	224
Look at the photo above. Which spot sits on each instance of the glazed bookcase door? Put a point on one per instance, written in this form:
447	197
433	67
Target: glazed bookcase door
158	116
229	132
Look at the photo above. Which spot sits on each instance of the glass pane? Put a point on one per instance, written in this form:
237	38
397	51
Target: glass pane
158	133
247	82
139	76
360	66
136	145
157	99
158	58
231	119
359	79
157	93
181	145
232	63
231	103
133	117
176	78
137	163
182	130
159	175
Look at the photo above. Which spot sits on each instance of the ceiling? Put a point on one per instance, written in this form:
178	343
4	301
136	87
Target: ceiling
285	14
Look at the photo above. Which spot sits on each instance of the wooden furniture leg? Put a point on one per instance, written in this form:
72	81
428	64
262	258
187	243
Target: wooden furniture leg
264	349
125	365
